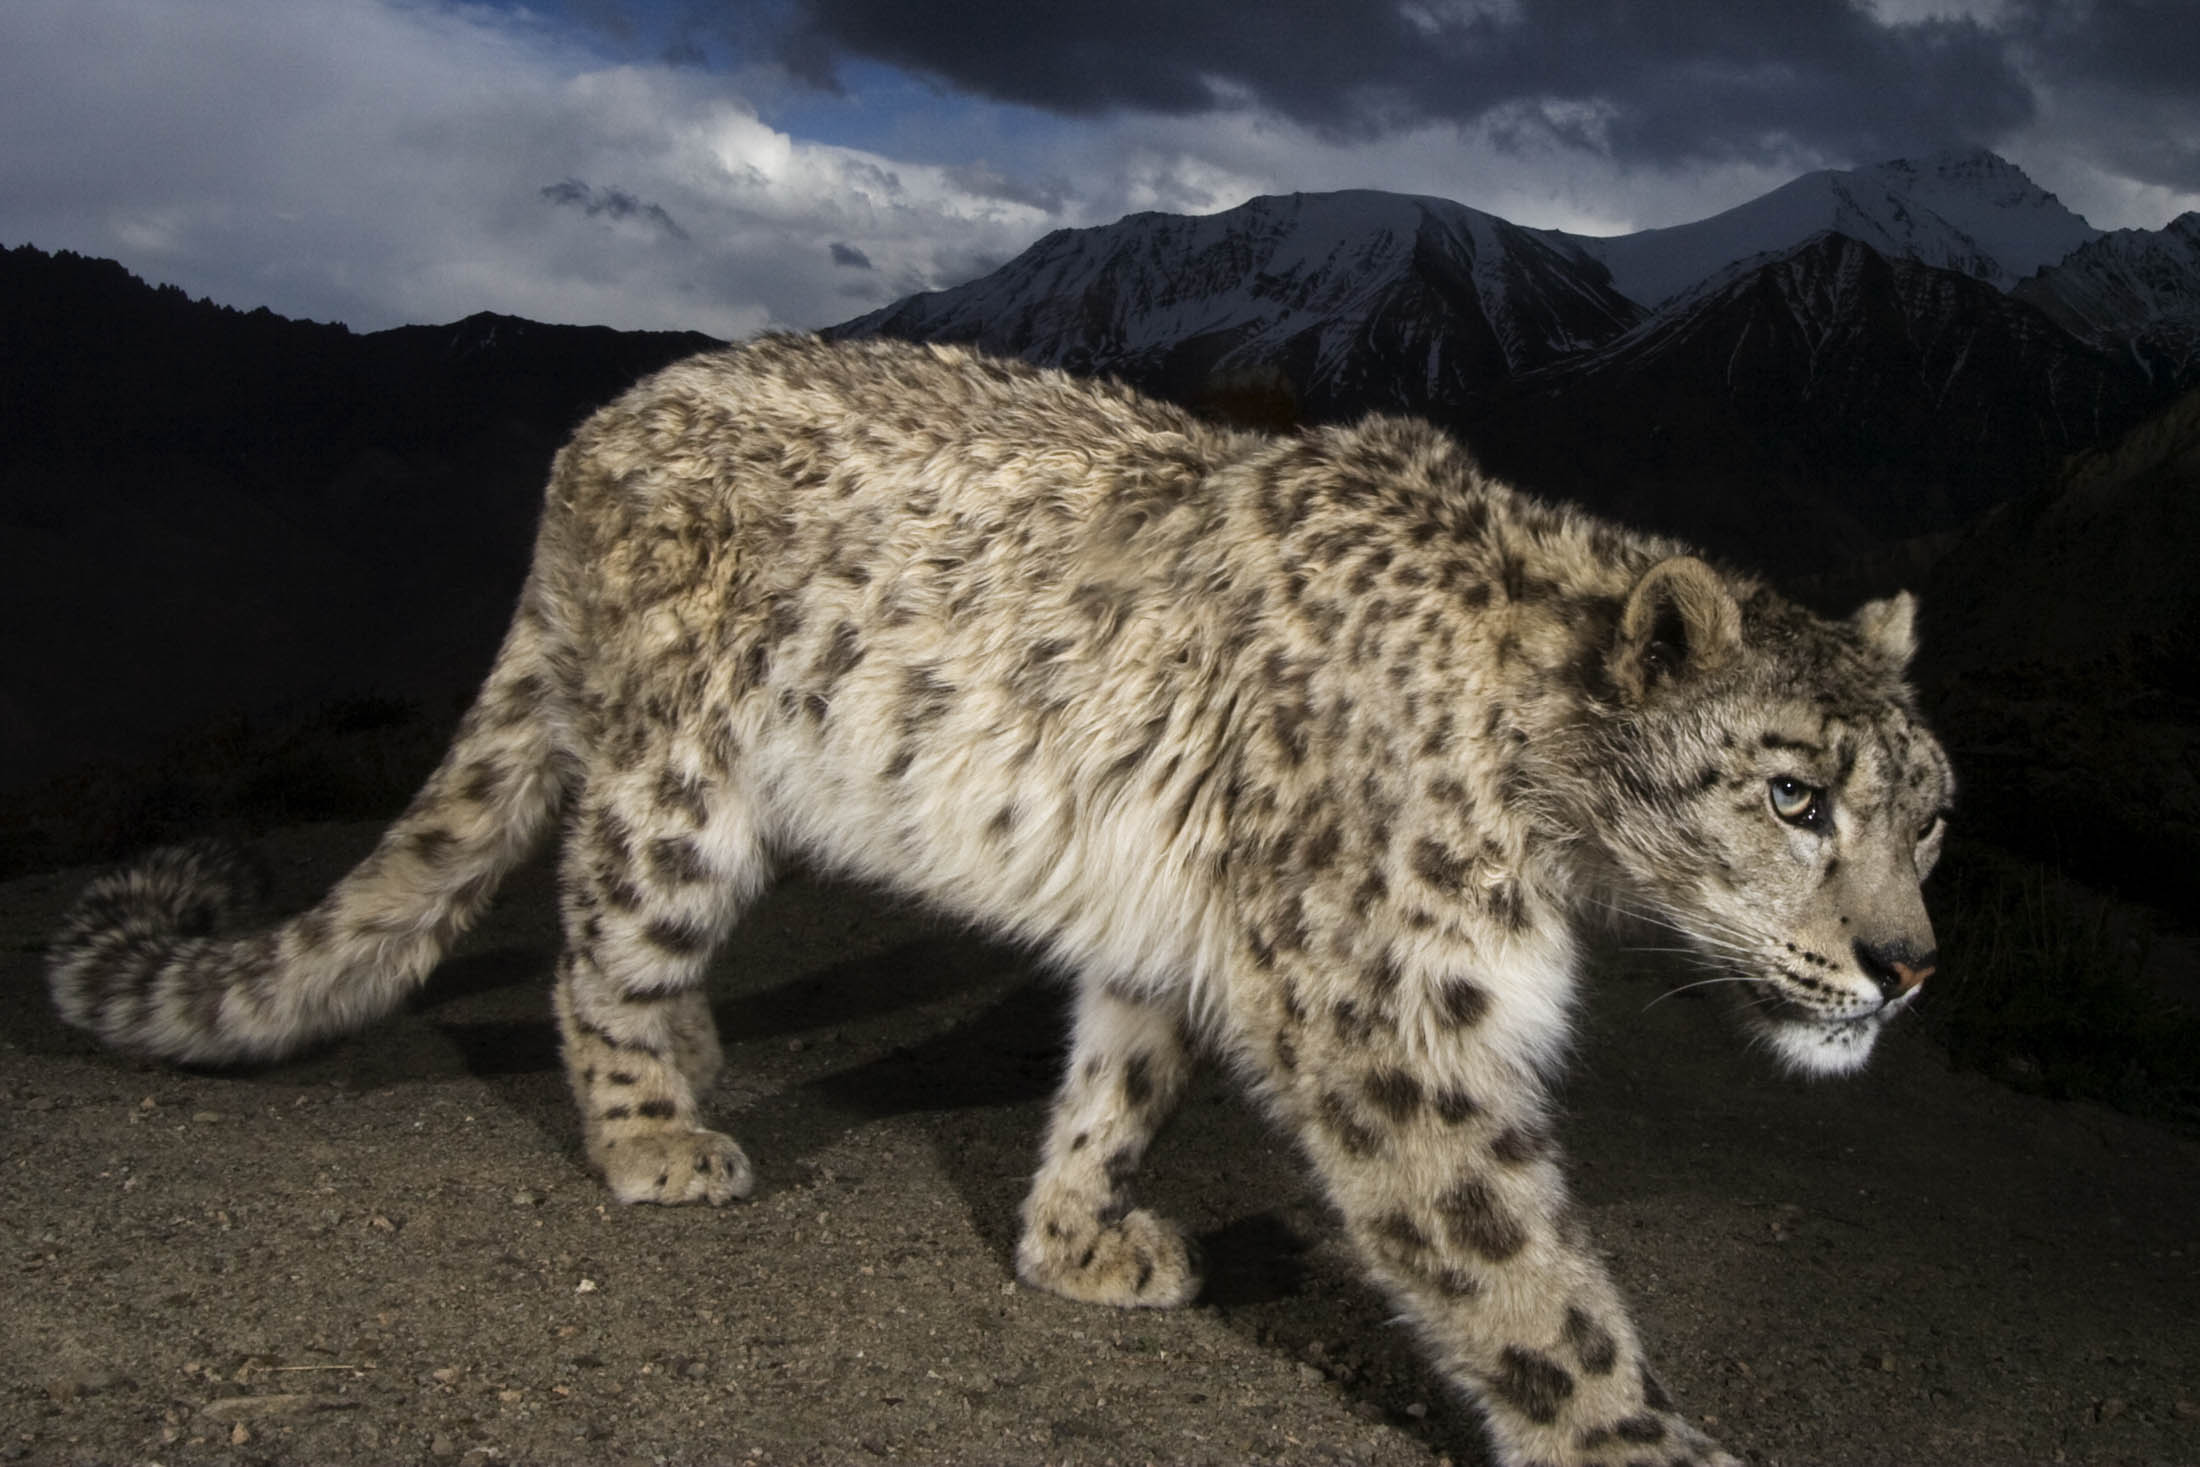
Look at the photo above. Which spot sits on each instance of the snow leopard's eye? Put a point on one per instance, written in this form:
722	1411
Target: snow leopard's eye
1796	802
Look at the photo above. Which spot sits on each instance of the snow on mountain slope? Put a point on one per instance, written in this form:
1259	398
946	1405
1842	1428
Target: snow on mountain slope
2022	226
1871	313
2135	289
1840	362
1390	299
1967	211
1834	319
1812	402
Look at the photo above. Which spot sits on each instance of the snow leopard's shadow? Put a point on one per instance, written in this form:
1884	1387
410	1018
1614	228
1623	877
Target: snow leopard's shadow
1277	1268
880	1016
975	1049
839	1010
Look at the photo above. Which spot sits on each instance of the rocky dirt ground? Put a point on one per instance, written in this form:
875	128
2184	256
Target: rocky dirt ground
390	1251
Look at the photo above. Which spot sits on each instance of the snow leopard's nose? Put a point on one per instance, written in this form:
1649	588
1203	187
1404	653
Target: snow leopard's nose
1896	967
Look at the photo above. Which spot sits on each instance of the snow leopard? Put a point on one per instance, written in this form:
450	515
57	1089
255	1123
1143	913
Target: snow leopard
1315	754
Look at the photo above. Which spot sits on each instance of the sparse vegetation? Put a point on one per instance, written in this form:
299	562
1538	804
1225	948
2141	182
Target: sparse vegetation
351	759
2046	988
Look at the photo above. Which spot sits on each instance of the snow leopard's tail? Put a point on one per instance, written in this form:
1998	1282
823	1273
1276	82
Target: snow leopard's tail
142	962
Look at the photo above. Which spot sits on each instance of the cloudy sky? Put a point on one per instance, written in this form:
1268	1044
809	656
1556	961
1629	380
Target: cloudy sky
725	165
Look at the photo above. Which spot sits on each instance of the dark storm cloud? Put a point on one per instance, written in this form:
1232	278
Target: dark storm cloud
986	182
2129	73
2149	47
849	257
609	18
1660	83
613	202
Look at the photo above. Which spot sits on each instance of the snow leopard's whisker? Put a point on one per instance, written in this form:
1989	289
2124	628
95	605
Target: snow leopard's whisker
1699	983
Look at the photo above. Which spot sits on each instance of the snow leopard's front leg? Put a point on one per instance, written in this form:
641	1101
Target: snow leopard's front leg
1083	1238
1436	1150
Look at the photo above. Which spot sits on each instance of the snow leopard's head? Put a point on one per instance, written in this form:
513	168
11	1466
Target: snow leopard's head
1768	791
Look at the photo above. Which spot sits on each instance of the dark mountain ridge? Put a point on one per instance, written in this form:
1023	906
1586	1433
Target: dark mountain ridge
1819	403
2135	290
1868	378
91	354
1358	300
2062	659
206	512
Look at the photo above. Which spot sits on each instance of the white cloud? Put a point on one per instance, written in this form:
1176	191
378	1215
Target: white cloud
382	162
1203	164
1521	173
2092	147
1912	12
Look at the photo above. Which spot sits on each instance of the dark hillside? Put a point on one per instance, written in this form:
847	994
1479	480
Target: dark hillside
2063	656
215	521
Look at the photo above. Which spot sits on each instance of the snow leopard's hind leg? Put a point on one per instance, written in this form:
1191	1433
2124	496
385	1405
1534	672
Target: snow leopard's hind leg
657	865
1082	1237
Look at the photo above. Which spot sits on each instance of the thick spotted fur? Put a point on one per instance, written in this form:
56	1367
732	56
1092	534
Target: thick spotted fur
1313	753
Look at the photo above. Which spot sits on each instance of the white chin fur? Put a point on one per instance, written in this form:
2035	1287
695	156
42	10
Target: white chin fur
1822	1049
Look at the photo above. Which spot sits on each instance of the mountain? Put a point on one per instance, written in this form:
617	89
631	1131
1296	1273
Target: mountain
2136	290
92	356
1858	357
1357	299
1969	211
205	511
1813	404
1310	307
2062	657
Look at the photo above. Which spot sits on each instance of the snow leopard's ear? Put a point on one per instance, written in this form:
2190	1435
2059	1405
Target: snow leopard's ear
1889	627
1680	623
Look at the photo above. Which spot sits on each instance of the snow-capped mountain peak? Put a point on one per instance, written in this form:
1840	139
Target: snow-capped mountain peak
1969	211
1882	303
1444	297
2135	290
2020	225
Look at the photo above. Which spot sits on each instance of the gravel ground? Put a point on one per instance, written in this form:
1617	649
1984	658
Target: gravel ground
391	1252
